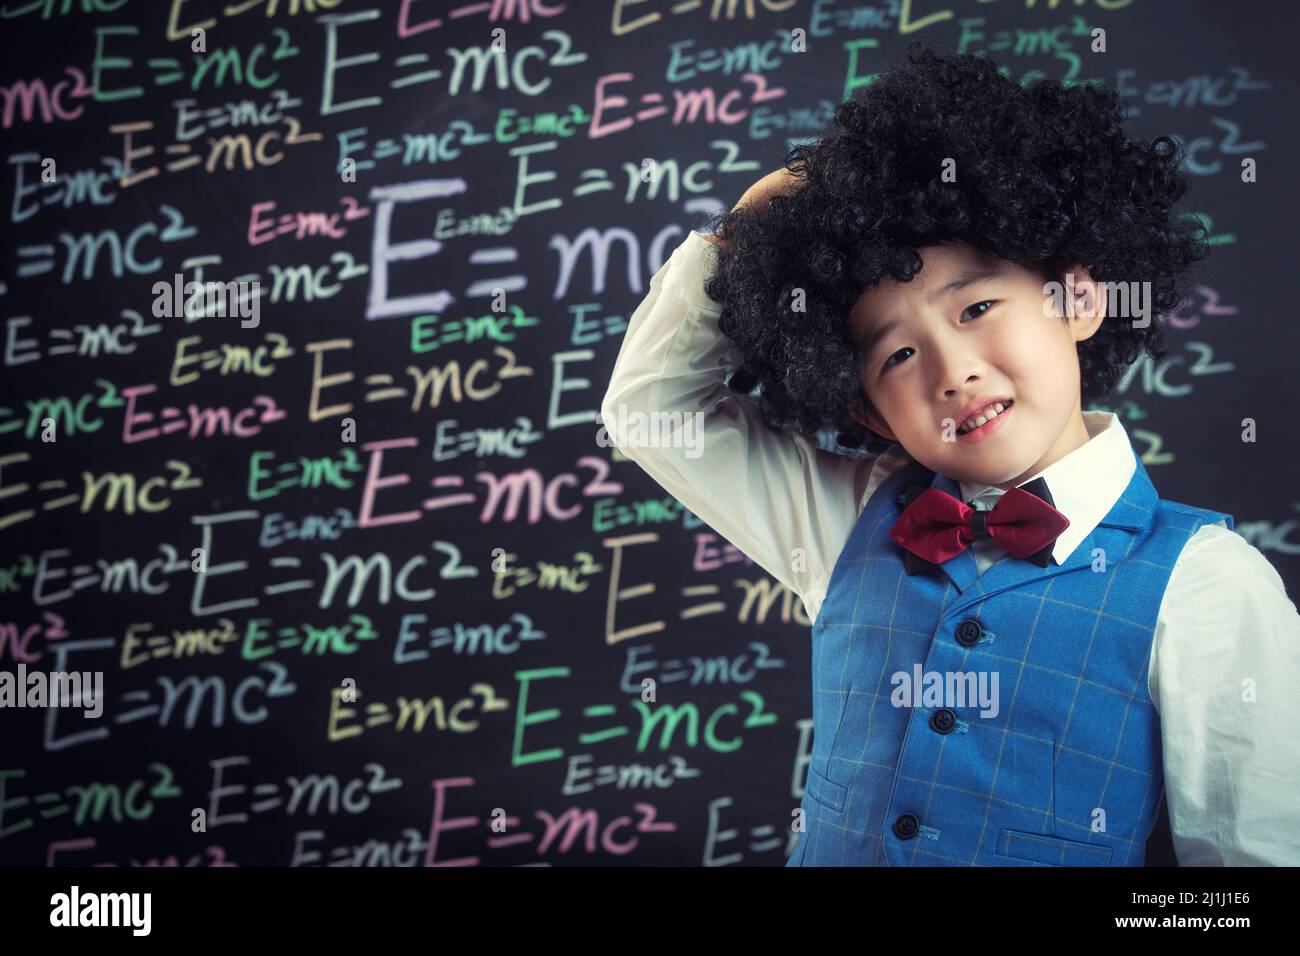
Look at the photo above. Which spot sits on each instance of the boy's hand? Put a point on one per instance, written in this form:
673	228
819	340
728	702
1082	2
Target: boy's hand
760	193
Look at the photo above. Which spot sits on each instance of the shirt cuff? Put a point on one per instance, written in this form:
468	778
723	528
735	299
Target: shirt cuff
691	265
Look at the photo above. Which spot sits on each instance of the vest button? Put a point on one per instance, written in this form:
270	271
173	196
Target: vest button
905	826
943	720
969	632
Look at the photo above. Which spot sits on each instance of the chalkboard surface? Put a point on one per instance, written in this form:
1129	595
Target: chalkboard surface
334	529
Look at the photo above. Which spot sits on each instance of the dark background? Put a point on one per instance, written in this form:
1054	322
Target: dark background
535	716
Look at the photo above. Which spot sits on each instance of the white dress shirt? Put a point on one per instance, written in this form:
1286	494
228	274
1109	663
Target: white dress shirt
1232	767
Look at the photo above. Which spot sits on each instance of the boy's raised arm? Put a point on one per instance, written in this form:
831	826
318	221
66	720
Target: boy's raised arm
769	493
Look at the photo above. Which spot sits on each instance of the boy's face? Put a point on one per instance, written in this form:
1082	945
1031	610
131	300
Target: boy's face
969	327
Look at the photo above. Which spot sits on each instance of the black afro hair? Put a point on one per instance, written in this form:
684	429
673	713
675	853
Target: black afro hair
1047	179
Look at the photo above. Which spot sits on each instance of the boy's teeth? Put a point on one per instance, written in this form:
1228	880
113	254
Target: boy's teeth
975	422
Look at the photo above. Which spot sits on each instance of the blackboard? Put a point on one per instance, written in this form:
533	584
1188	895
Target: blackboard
362	585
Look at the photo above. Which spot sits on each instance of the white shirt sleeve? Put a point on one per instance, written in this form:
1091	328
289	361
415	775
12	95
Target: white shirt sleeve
1225	668
778	497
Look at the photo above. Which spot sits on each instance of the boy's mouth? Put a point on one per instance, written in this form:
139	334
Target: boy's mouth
973	430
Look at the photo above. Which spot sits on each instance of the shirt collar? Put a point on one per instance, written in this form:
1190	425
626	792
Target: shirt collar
1085	484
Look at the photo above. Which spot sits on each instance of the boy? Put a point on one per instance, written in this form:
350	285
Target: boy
1019	649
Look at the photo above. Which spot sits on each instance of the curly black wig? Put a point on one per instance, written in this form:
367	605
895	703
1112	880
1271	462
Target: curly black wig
1046	178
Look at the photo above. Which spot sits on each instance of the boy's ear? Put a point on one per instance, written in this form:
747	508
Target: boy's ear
860	415
1088	306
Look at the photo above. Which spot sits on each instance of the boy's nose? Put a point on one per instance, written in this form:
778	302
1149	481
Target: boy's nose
956	365
954	387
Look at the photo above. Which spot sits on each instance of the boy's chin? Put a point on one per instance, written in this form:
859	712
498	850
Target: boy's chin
962	463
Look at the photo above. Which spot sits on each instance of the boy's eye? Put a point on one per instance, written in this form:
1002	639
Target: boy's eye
988	302
889	362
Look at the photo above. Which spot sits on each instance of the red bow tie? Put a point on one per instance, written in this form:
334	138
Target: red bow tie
936	527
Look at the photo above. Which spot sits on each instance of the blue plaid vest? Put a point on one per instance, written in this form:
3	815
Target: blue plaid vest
1065	771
